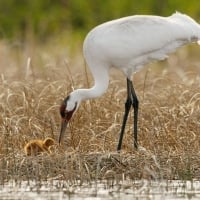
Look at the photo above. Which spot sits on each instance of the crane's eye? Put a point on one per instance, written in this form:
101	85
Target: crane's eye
66	114
63	107
63	110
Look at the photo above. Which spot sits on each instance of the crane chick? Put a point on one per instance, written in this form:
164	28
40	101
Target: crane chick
35	147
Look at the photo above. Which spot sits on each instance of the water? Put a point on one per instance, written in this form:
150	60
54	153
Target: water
129	190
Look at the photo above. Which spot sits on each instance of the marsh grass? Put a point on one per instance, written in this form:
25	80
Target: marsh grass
30	95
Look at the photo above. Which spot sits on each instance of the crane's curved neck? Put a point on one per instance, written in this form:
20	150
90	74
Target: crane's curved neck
101	81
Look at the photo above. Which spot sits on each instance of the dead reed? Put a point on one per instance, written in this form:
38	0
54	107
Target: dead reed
169	125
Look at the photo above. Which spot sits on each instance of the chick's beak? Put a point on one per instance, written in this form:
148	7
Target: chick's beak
63	128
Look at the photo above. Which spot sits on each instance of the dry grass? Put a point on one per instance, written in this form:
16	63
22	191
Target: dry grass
169	124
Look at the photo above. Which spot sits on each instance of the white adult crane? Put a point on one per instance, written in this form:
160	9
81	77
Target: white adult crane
128	44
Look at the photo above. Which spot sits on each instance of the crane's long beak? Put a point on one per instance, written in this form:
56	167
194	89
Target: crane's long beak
63	128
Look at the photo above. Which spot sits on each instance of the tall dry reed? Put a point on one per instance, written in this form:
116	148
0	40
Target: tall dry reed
168	132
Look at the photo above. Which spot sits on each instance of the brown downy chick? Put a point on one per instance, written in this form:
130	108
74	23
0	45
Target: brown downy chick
35	147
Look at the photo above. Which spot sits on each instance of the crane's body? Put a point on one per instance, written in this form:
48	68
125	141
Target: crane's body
131	42
128	44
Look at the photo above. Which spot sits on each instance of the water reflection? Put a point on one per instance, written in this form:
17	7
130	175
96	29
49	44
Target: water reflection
110	190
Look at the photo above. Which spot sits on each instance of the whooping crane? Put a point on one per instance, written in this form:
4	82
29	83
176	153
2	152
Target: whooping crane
128	44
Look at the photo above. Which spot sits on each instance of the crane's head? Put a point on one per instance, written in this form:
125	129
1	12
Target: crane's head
67	109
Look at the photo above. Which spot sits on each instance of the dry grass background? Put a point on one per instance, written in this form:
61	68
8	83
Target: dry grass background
35	79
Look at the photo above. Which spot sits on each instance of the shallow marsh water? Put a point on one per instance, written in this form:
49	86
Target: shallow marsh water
58	190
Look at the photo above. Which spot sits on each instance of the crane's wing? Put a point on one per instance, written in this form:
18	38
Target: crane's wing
134	41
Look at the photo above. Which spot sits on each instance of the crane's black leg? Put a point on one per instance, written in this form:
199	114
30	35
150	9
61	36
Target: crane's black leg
127	109
135	104
131	100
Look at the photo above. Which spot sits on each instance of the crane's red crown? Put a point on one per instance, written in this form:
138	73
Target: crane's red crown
65	114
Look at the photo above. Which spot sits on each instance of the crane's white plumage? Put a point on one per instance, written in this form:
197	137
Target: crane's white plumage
128	44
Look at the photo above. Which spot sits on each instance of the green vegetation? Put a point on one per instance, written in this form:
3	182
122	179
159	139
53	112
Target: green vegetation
45	18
